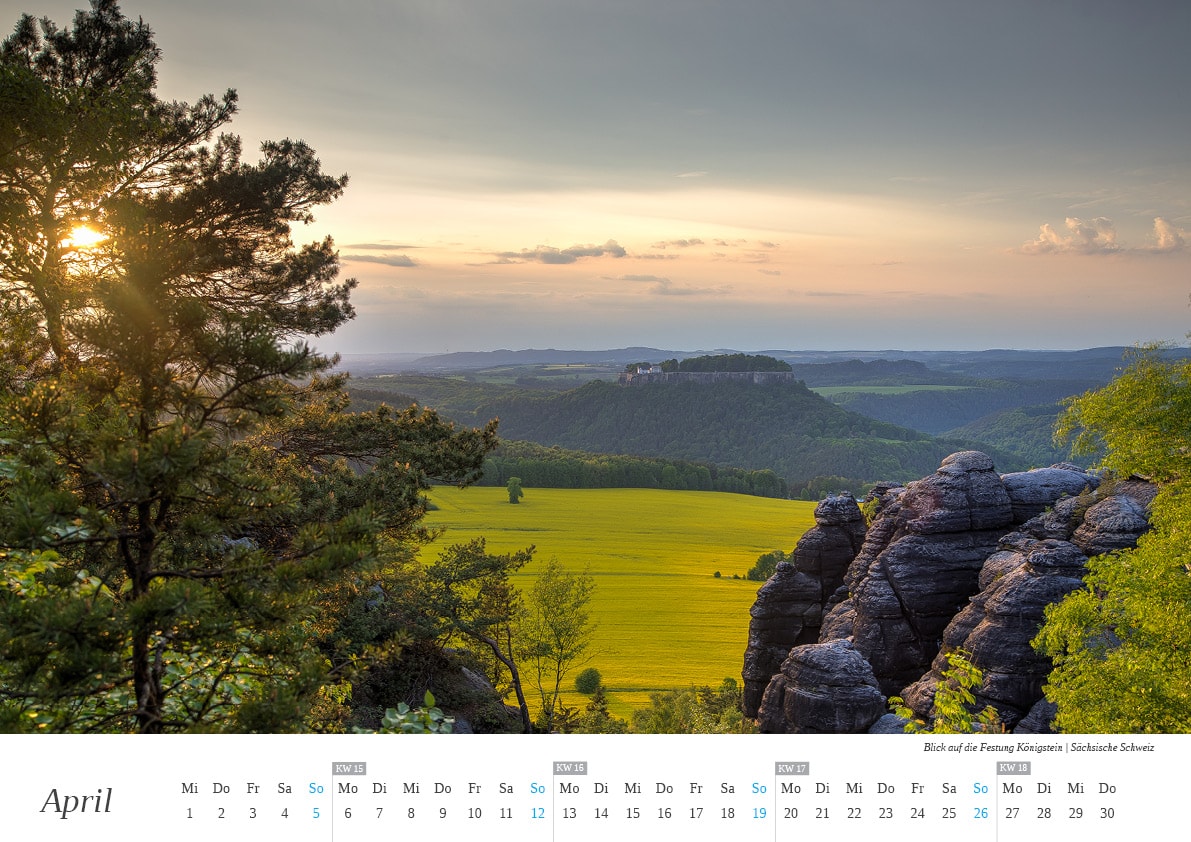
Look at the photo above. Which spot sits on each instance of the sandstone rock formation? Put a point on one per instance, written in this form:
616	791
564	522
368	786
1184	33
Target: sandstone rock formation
964	559
1034	567
823	688
1033	492
920	565
998	624
790	605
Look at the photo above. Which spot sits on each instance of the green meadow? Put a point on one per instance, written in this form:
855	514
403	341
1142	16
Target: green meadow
664	621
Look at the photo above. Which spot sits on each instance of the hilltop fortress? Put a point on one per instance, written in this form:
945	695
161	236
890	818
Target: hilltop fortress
656	375
710	369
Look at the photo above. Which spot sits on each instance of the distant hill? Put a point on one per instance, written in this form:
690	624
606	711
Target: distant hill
782	427
876	373
1098	364
1025	431
1001	401
936	412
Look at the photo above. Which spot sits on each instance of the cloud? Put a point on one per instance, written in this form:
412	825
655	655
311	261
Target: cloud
1167	238
656	256
744	257
1092	236
1099	236
770	271
681	244
399	260
665	287
693	174
379	246
553	256
650	279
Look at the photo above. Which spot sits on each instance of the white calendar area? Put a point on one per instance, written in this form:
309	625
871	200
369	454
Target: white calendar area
621	788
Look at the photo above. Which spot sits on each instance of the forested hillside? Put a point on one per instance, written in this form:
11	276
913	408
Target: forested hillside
935	412
1026	431
782	427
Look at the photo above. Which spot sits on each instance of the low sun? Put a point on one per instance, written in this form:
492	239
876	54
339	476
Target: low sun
82	237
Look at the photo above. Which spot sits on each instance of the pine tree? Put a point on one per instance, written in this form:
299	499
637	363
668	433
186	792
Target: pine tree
179	477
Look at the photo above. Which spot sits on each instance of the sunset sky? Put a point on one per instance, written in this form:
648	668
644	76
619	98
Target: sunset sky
756	174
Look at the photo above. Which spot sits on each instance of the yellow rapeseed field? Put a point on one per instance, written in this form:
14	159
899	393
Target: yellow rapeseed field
664	620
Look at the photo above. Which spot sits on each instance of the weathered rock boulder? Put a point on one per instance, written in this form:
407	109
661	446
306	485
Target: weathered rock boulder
1033	492
827	549
823	688
1039	719
788	612
790	605
962	560
1110	517
1114	523
1032	568
997	626
920	565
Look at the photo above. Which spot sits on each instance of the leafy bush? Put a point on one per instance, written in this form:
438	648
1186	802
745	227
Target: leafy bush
424	720
951	712
696	710
588	681
765	566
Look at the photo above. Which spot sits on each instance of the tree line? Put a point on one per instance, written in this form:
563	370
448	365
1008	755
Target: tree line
553	467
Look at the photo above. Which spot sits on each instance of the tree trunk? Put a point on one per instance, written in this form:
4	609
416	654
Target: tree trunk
511	665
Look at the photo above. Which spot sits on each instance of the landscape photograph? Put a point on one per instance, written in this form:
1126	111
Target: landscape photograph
573	367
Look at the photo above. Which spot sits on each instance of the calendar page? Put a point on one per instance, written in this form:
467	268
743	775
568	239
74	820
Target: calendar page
577	787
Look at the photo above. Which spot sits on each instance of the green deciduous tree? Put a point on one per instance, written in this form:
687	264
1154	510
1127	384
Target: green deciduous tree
597	719
588	681
514	489
181	490
468	589
766	566
695	710
1122	645
555	632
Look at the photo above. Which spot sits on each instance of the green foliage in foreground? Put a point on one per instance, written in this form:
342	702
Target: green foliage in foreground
951	711
1122	645
422	720
695	710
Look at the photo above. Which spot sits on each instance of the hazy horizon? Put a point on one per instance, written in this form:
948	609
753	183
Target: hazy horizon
725	350
754	174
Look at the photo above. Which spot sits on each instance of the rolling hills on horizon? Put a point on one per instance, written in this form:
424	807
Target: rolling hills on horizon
785	428
1097	363
1003	401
